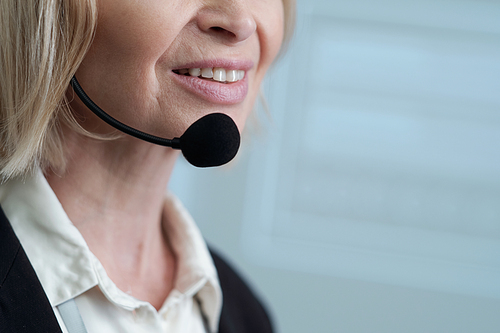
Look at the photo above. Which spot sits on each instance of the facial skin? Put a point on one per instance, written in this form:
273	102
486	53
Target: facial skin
129	68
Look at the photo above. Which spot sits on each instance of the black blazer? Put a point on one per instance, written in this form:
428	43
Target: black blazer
24	307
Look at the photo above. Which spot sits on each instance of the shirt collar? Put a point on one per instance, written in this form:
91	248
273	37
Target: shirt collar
195	263
67	268
55	248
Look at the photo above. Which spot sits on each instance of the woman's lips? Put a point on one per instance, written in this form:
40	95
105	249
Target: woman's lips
213	91
192	76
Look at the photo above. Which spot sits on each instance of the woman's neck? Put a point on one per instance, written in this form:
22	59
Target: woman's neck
113	193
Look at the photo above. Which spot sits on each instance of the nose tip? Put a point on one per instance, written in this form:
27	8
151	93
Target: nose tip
242	28
232	21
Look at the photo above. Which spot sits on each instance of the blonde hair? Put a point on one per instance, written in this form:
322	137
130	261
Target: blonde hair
289	6
42	45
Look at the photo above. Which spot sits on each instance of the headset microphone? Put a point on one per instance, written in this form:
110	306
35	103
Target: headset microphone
212	140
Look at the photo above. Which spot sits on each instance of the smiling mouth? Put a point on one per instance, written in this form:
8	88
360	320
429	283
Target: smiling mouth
217	74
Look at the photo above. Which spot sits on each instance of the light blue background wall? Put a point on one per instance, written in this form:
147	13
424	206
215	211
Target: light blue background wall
371	201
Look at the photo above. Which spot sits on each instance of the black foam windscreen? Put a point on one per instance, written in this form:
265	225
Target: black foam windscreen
212	140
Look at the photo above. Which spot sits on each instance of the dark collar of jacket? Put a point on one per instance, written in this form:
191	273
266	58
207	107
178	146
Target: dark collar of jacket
24	307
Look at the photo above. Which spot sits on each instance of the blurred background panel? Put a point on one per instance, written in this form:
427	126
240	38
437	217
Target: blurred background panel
369	199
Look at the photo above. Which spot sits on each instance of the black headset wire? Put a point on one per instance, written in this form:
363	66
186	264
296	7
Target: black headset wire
174	143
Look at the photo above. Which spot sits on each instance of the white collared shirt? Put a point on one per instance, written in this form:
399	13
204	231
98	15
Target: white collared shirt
68	269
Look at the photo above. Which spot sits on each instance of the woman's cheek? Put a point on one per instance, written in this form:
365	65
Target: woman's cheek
136	29
270	34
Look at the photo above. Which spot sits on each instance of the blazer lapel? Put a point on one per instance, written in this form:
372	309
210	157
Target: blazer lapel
24	307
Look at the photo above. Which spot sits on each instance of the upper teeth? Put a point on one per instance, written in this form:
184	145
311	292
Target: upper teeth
216	73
